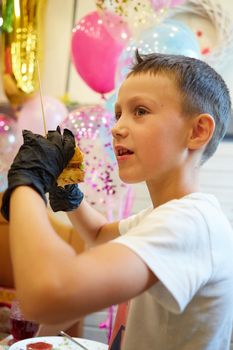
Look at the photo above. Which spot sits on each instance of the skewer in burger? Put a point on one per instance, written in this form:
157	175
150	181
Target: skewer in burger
74	172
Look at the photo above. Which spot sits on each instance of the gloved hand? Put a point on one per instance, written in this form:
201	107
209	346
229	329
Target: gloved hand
38	163
65	199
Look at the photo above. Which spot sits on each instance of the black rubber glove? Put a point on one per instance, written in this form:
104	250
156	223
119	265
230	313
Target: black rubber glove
38	163
65	199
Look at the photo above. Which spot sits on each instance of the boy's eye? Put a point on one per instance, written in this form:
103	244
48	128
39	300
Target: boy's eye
140	111
117	115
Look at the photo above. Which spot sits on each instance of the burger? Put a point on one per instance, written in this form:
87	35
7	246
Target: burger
74	171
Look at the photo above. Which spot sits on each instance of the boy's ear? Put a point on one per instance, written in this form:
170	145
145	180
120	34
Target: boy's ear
202	129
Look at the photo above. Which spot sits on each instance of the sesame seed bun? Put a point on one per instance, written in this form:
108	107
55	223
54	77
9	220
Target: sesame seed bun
74	172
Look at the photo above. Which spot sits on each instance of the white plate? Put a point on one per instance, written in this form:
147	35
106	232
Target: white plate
60	343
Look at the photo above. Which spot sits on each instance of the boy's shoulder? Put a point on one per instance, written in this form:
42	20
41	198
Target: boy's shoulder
195	211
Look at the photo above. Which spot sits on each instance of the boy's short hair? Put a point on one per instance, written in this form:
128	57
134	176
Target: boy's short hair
202	89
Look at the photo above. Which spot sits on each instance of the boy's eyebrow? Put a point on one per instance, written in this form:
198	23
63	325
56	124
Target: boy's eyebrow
138	98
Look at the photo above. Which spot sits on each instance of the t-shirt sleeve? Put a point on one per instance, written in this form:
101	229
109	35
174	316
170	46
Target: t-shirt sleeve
175	245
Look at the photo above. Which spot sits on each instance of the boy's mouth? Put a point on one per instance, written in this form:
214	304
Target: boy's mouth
121	151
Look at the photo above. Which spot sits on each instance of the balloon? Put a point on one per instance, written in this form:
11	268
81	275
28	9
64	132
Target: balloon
116	27
102	186
177	2
30	115
8	15
95	52
7	109
170	37
3	181
110	103
138	14
105	133
8	140
21	30
162	4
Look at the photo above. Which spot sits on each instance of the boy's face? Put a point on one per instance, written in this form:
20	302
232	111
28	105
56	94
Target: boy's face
150	135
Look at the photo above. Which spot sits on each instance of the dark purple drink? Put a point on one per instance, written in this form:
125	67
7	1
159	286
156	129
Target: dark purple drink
22	329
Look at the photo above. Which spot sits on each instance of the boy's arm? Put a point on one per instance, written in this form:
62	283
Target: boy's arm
88	222
92	226
53	283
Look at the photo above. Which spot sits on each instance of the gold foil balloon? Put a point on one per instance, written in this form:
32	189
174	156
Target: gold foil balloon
22	47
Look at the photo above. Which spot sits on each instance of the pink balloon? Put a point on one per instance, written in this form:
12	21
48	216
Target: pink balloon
160	4
30	116
8	141
116	26
176	2
95	51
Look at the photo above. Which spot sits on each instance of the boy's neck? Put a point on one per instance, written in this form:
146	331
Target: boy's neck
173	186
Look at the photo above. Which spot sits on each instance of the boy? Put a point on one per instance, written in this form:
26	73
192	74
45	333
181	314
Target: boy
172	260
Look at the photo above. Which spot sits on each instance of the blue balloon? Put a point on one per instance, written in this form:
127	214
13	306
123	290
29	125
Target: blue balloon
169	37
3	181
110	103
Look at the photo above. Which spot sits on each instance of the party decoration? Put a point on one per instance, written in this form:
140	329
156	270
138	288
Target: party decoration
8	16
138	14
105	133
170	37
30	115
3	180
110	103
127	205
102	186
108	323
175	3
95	52
7	110
8	142
116	26
0	19
213	13
68	102
22	48
162	4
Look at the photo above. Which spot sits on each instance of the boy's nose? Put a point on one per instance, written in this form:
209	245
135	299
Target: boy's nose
119	130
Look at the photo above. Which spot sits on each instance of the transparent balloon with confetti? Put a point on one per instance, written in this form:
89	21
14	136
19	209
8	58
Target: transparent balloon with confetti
138	14
8	147
91	126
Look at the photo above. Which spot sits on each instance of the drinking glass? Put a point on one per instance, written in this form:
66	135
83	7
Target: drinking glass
20	327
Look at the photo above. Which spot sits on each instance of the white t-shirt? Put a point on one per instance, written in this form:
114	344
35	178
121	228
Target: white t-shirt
188	245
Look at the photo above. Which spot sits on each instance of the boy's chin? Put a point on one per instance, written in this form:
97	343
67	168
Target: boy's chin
129	178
